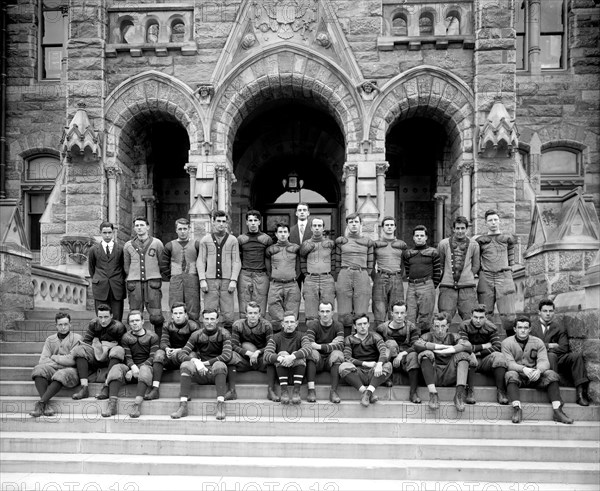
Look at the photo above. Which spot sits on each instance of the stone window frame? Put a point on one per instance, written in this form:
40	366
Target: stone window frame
59	8
399	14
428	12
150	21
566	181
525	33
457	12
171	22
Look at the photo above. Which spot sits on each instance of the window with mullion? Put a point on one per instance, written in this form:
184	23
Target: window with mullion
51	39
552	34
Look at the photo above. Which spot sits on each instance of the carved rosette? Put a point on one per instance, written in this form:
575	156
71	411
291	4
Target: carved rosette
77	247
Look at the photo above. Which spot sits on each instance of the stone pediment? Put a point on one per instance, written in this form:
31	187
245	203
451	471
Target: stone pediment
499	133
568	221
308	23
80	136
12	230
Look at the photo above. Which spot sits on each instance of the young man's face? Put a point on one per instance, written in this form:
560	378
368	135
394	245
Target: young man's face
522	330
362	326
389	227
107	234
210	321
104	317
220	224
63	326
399	314
354	225
460	230
547	313
289	324
135	322
440	327
183	231
179	315
317	227
302	212
325	314
420	238
493	223
252	315
478	319
141	228
252	222
283	234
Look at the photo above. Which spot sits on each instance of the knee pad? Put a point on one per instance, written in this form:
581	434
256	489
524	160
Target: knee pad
79	352
336	356
498	360
387	368
188	368
43	371
145	375
512	377
426	354
392	346
117	353
462	356
160	356
315	356
219	368
117	373
67	377
550	376
157	319
346	368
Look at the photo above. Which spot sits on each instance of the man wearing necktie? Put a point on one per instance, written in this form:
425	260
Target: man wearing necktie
105	262
300	232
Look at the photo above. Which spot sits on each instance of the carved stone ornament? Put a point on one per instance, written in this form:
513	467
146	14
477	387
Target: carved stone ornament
323	40
285	17
204	92
368	90
248	41
77	247
80	136
498	133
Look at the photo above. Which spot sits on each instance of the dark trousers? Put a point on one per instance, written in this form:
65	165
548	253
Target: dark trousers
113	303
571	364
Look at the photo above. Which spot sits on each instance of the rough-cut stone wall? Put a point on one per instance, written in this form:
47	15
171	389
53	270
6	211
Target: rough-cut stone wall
16	290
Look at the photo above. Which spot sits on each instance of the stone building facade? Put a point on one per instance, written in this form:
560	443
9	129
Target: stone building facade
420	109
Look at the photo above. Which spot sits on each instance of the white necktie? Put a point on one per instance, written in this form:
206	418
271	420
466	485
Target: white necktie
301	231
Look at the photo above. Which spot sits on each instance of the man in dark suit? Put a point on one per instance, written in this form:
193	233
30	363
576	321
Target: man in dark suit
105	261
300	232
554	334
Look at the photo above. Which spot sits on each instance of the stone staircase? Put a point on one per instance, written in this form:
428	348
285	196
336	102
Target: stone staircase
392	444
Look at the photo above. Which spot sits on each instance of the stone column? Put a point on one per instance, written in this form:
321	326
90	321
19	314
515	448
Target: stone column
192	170
533	34
349	177
149	201
381	169
64	10
535	161
466	168
440	199
111	175
221	177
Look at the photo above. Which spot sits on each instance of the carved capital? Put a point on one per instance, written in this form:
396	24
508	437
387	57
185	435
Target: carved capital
440	197
77	247
221	171
191	169
149	200
466	168
350	171
381	168
113	172
64	10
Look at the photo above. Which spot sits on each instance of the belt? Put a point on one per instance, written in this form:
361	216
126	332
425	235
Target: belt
318	274
418	281
354	268
390	273
252	270
499	271
274	280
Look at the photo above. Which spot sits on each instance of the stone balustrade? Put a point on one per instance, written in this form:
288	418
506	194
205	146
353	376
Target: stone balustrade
54	289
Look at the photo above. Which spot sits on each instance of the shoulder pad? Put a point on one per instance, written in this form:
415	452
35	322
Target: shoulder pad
364	241
307	247
265	239
399	244
380	243
271	250
408	253
483	239
293	248
328	244
193	325
430	252
506	238
341	240
242	239
127	338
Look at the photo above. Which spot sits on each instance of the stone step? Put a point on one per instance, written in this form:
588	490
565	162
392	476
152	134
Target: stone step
16	419
282	467
312	446
22	385
21	481
250	409
48	315
31	347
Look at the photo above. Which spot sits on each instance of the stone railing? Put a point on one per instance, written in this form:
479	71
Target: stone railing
54	289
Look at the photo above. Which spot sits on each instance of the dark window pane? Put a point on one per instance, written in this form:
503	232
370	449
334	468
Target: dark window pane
520	17
520	52
52	62
552	15
551	55
53	27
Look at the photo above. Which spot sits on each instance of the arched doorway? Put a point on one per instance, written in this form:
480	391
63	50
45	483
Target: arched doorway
415	150
283	139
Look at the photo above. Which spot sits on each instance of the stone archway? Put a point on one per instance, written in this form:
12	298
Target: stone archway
429	93
134	110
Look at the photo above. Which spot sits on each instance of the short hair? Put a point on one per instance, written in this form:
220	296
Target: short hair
326	303
210	311
318	218
62	315
134	312
479	308
358	316
460	219
399	303
255	213
141	219
104	308
352	216
289	313
385	219
440	316
490	212
302	204
282	225
176	305
182	221
254	305
523	318
546	302
421	228
219	213
106	225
